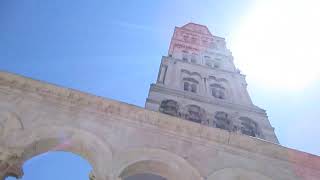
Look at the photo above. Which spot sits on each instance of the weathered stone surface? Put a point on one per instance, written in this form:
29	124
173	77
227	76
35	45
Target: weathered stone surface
117	138
120	140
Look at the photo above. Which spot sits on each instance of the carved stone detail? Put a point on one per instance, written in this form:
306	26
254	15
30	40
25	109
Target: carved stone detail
249	127
194	113
169	107
193	143
10	165
223	121
92	176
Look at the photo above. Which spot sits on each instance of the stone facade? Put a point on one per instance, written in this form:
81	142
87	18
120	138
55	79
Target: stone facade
198	81
120	140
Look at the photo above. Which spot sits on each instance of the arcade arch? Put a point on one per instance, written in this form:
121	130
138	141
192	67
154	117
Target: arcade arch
55	165
56	138
156	162
236	174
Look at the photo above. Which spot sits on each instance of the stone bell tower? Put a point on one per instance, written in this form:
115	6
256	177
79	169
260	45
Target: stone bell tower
199	82
211	138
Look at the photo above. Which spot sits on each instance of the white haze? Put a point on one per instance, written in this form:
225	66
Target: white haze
277	44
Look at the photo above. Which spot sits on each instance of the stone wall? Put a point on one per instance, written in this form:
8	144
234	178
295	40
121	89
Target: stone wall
120	140
237	103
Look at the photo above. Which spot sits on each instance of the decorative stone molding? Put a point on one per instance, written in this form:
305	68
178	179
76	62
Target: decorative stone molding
157	88
132	116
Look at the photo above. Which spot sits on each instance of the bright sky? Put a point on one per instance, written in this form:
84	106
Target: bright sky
89	45
277	43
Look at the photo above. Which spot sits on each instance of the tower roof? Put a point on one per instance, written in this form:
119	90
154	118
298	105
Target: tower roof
197	28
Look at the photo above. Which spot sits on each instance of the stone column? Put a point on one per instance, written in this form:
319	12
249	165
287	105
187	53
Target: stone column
10	165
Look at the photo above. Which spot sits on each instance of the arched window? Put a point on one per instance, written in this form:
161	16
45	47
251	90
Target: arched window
218	91
185	56
190	85
249	127
169	107
194	113
186	86
217	65
193	88
194	58
223	120
208	61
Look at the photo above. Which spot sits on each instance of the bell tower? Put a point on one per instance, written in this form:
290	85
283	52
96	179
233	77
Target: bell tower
199	82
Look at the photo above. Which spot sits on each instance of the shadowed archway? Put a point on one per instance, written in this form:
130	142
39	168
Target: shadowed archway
157	162
153	170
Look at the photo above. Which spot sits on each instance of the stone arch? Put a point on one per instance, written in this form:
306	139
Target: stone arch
170	107
218	91
192	80
154	161
237	174
194	58
184	71
148	166
190	84
9	121
223	120
219	87
249	127
214	78
194	113
61	138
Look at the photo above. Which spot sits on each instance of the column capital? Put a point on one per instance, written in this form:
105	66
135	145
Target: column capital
92	176
10	165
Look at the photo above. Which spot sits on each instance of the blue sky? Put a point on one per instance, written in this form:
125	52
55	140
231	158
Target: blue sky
113	49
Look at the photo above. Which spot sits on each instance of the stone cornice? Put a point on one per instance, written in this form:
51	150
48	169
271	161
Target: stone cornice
165	123
205	67
157	88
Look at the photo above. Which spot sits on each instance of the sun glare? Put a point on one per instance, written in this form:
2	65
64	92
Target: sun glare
277	43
